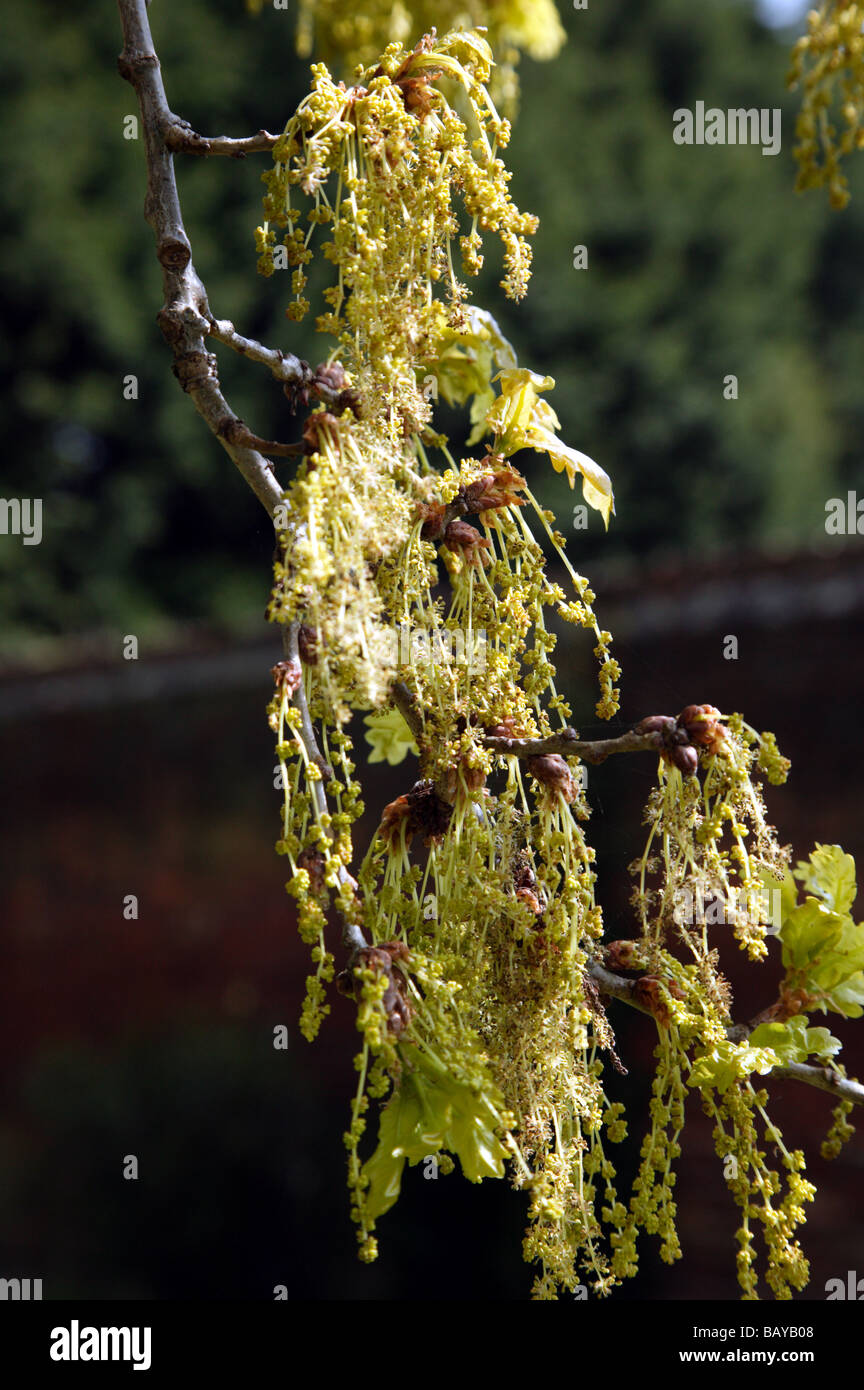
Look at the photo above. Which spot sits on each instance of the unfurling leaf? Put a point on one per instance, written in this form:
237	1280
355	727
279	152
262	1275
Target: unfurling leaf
389	737
431	1111
793	1041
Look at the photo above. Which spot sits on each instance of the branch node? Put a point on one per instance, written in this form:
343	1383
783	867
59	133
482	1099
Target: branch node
192	369
173	253
131	64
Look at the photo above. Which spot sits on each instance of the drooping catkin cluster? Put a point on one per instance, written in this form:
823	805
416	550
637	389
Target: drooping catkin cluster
712	867
416	591
828	65
348	35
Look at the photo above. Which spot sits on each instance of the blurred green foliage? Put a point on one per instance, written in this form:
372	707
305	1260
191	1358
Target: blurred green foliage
702	262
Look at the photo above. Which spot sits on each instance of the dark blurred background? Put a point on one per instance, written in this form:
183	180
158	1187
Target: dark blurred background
154	1037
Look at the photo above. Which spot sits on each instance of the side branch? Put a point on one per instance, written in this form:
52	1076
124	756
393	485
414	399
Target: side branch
567	742
823	1078
616	987
298	379
180	138
186	320
408	708
185	316
290	370
291	648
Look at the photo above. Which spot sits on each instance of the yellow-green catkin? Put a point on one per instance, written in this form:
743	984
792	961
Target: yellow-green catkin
828	67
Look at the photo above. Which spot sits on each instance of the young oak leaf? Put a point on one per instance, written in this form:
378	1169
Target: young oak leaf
520	420
824	956
823	948
830	875
471	1116
793	1041
397	1131
431	1111
728	1062
808	934
466	363
838	975
389	737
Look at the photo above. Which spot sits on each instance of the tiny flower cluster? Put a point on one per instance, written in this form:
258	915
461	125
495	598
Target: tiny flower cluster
385	163
354	34
828	63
